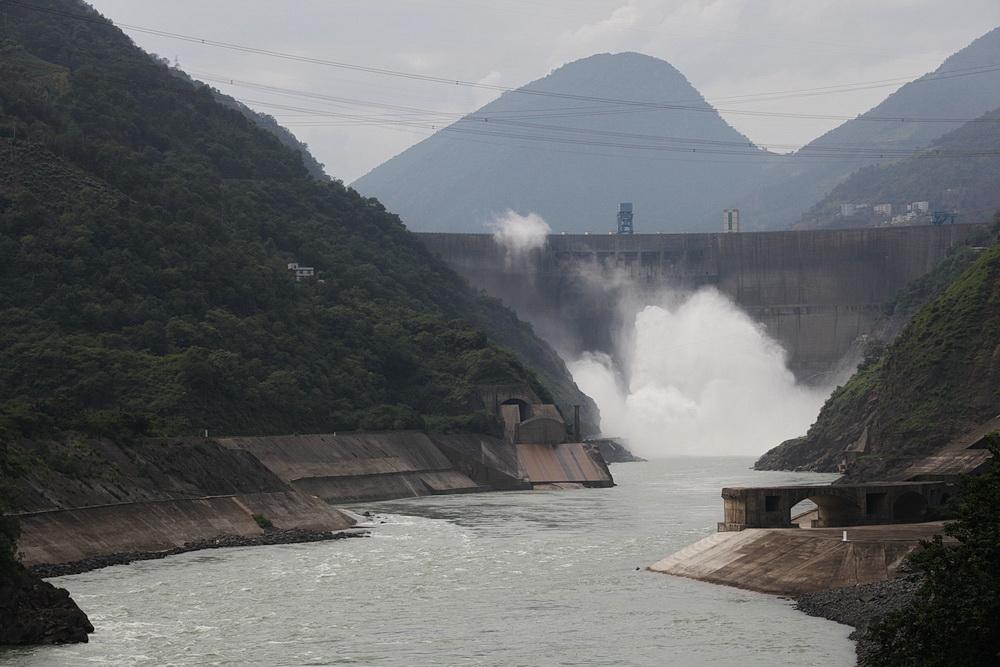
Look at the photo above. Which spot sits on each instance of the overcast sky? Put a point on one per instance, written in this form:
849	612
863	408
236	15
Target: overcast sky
724	47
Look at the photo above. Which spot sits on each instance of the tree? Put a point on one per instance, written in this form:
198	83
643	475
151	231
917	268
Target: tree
9	528
955	618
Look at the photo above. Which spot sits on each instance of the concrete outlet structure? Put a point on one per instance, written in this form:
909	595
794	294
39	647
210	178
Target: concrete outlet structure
836	505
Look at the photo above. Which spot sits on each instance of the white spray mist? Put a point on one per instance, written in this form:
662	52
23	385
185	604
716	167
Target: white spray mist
519	234
702	379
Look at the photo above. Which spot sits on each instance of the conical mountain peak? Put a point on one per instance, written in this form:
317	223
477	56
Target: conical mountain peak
570	146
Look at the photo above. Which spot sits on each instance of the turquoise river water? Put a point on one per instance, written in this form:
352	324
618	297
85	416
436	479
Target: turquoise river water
526	578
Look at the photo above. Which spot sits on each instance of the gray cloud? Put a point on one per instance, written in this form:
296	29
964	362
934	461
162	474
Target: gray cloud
725	47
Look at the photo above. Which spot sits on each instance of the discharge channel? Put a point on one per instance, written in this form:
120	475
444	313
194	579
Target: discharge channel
522	578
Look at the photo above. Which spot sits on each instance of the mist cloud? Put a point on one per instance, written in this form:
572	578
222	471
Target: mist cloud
700	378
519	234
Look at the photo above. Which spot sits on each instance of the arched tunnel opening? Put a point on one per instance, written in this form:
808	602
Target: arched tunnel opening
824	511
910	507
523	408
804	513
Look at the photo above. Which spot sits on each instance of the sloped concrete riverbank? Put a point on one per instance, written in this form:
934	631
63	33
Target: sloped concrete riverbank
796	561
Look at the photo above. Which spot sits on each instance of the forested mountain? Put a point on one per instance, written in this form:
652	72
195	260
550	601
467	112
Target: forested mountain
265	121
939	379
284	135
522	152
965	86
145	232
963	184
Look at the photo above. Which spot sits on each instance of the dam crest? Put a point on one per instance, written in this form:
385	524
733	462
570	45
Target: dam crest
816	292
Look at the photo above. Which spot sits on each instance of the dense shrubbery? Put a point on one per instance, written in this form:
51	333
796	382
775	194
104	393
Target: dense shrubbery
9	530
144	232
955	619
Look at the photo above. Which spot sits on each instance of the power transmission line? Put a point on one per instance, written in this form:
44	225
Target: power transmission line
702	107
709	149
436	118
625	141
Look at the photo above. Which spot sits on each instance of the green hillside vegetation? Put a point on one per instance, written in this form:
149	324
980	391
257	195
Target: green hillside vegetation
940	378
145	230
264	121
9	530
969	186
268	122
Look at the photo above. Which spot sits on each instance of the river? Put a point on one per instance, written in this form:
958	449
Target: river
524	578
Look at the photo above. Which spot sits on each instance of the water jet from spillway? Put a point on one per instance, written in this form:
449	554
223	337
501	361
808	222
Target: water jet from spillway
697	377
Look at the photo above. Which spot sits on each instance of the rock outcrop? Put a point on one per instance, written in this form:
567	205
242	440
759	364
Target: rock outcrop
613	450
33	611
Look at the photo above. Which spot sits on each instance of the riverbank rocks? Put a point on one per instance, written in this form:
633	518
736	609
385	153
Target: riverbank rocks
33	611
861	606
614	450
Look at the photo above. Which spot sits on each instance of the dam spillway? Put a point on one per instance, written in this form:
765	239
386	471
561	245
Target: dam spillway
815	291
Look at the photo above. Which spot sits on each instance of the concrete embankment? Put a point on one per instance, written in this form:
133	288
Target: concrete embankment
354	467
101	498
791	561
161	496
270	537
63	536
568	463
351	467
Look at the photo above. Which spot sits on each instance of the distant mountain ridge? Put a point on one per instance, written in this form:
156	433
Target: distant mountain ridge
791	186
461	177
968	186
457	181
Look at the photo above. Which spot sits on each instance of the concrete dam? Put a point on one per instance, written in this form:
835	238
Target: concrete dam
815	291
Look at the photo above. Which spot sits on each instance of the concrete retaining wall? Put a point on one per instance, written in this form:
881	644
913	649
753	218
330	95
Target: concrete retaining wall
293	457
554	464
488	461
353	467
387	486
308	470
61	536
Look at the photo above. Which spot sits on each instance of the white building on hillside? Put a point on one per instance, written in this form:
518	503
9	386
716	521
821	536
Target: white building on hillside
301	272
